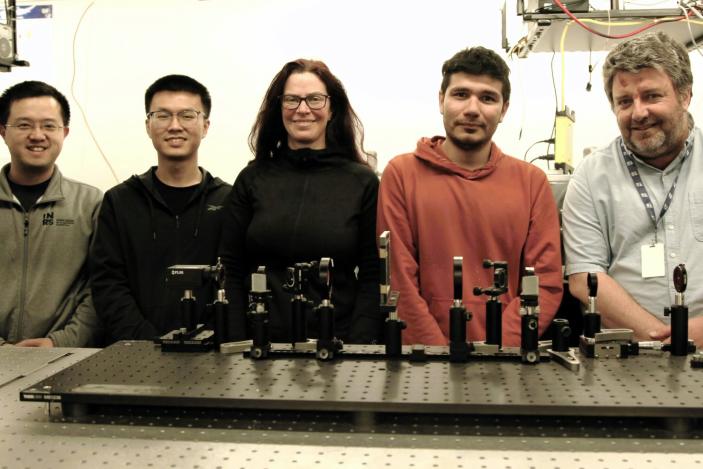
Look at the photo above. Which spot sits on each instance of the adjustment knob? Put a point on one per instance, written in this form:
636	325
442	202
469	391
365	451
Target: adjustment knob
592	280
457	270
680	278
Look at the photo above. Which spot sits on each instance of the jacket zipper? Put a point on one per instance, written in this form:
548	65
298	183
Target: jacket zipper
178	222
299	215
25	263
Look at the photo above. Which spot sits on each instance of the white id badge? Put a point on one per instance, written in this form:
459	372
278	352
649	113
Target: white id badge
653	264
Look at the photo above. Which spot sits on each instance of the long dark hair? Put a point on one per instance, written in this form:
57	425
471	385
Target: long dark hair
344	131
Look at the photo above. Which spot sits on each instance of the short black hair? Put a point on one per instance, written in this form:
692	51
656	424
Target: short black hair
179	83
32	89
477	61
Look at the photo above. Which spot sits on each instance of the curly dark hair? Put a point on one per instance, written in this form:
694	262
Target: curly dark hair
477	61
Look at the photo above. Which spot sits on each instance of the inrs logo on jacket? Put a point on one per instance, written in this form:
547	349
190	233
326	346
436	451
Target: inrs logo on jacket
48	219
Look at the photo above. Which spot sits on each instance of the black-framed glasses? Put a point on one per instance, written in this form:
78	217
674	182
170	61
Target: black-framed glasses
186	117
313	101
48	127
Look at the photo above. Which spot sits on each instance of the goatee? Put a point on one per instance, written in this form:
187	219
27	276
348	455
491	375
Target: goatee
464	145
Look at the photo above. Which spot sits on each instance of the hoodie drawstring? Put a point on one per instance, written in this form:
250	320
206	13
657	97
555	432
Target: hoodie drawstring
199	214
151	217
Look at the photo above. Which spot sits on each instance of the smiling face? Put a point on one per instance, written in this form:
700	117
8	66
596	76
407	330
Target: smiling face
175	140
306	127
651	115
33	151
472	107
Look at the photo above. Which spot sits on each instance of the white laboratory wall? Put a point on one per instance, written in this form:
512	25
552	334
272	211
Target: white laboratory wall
388	54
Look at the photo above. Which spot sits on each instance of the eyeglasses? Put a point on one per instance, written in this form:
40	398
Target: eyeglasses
26	127
187	117
314	101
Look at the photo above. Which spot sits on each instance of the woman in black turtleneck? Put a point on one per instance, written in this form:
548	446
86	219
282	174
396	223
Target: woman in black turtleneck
308	194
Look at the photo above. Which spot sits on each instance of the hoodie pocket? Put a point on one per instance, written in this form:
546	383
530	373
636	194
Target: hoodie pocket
695	207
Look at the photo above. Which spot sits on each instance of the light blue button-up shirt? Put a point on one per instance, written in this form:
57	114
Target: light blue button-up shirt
605	223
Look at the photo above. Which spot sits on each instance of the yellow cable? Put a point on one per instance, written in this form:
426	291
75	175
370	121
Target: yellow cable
563	64
612	23
635	23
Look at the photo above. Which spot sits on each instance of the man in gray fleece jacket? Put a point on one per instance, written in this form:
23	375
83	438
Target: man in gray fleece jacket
46	226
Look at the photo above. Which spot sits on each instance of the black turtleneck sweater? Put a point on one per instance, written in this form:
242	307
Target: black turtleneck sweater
139	235
300	206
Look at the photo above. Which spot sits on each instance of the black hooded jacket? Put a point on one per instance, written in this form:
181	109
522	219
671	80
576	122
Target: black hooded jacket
137	238
300	206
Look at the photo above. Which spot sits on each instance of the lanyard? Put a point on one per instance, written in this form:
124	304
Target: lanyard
642	190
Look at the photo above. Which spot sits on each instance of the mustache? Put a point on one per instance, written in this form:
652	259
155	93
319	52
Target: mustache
644	125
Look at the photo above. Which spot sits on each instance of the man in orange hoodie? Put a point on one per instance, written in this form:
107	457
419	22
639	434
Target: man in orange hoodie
460	195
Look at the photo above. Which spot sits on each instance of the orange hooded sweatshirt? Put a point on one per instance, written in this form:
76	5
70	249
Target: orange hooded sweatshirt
435	210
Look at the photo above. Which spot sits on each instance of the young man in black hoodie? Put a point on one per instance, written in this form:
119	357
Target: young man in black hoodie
169	215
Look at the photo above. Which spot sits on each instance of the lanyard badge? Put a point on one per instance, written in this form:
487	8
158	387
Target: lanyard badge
652	254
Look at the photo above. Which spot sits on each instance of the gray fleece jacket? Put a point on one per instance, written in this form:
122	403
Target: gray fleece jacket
44	289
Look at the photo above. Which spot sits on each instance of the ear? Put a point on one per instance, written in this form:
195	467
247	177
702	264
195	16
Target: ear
148	130
206	126
506	105
685	98
65	131
3	129
441	102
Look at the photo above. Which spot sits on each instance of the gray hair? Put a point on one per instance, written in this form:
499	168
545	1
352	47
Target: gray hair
651	50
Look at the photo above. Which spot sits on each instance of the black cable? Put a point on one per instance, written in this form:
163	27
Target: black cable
554	83
547	140
590	71
551	9
547	157
556	101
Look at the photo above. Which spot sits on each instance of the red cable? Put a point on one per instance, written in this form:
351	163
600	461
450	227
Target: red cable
616	36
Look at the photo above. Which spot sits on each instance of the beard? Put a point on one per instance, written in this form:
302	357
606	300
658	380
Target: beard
651	146
657	144
467	145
